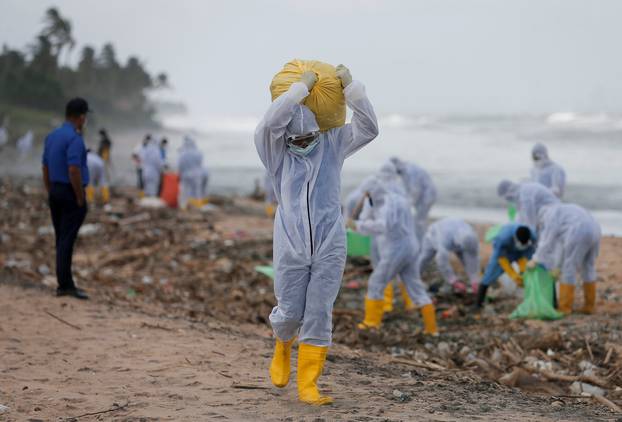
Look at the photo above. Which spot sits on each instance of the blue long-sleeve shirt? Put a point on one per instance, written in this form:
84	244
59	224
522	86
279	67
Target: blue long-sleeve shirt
504	246
65	147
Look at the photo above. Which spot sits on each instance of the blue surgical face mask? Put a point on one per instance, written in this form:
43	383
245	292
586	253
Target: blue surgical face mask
303	151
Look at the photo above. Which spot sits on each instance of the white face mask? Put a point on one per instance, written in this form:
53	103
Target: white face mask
521	246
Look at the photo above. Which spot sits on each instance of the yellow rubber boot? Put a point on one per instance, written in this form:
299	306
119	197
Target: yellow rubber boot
310	365
280	368
373	313
90	194
589	298
141	194
388	298
409	306
566	298
106	194
428	313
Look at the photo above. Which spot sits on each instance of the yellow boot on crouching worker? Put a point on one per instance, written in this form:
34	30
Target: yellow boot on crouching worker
566	298
589	298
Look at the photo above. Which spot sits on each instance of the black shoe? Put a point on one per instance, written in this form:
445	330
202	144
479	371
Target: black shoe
75	292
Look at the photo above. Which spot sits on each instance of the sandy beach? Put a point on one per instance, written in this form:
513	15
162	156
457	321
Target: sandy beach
176	330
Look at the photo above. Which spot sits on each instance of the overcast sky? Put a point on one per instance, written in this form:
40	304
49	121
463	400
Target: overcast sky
458	56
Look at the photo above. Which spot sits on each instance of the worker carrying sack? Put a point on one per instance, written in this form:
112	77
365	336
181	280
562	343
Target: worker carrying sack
326	99
539	294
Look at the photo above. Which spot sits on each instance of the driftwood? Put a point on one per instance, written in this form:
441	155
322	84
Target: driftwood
611	405
426	365
590	379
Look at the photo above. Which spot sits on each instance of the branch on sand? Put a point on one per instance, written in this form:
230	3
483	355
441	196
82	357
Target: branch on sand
114	408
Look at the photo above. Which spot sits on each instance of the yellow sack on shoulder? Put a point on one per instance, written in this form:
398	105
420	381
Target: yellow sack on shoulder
325	100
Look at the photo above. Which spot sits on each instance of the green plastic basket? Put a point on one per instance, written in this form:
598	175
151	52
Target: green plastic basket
358	244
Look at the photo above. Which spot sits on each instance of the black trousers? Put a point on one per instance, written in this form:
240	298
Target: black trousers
67	217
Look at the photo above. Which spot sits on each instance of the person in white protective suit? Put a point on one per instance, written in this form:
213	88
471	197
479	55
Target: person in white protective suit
190	168
569	242
447	236
97	178
388	175
420	188
309	232
528	197
389	220
547	172
24	144
152	166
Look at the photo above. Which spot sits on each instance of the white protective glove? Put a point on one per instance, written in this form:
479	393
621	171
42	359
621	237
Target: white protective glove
343	73
309	78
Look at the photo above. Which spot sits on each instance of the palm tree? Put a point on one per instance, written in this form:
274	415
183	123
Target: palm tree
58	30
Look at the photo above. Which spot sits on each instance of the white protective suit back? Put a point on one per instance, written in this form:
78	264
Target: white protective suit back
568	239
190	161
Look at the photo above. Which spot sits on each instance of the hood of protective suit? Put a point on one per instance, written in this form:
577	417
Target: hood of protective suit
397	164
188	143
539	150
387	172
377	191
302	123
508	190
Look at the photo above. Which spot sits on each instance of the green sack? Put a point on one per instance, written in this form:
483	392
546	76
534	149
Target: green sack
358	244
265	270
539	293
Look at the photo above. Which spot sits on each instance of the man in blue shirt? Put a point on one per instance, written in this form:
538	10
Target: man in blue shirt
514	243
65	174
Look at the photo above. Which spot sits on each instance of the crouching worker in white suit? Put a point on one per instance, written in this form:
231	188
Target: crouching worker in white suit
309	232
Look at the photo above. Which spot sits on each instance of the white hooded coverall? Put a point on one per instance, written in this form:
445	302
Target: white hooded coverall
152	166
309	248
446	236
190	167
390	221
569	240
547	172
